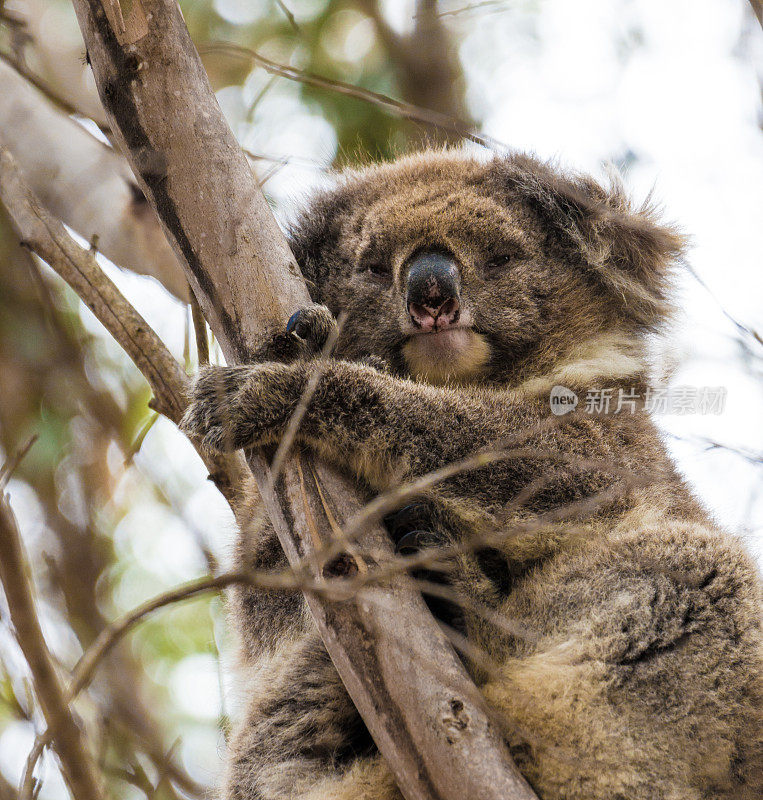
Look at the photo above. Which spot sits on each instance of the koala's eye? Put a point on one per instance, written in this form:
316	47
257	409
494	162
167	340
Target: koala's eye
497	264
378	268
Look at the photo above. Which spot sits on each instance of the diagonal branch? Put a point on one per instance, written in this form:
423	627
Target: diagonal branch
46	236
757	7
68	741
447	122
168	123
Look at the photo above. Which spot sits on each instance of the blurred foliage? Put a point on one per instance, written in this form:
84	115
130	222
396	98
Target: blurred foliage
106	521
344	41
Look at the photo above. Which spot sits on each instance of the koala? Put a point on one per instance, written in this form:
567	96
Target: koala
469	288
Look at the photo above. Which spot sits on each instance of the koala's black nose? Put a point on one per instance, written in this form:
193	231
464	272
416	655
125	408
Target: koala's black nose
434	287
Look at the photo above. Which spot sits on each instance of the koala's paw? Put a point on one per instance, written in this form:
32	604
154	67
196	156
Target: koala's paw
408	527
213	414
311	328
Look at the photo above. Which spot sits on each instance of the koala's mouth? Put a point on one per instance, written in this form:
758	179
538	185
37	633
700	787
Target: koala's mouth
456	353
453	337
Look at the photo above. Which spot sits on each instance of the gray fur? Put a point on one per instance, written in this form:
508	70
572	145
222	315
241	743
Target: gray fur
639	677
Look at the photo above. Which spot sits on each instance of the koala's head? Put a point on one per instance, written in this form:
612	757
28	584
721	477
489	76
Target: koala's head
454	269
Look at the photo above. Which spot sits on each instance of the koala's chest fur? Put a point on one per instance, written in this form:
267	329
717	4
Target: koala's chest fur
613	628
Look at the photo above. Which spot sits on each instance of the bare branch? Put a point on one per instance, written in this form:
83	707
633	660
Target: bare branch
397	108
114	631
287	13
292	428
46	236
247	282
67	738
7	470
757	7
200	330
495	4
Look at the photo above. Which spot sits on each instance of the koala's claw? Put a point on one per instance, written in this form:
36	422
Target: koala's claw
406	519
312	325
412	542
293	326
210	413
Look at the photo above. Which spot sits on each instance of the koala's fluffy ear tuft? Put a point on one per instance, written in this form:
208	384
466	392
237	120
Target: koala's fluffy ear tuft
314	234
629	250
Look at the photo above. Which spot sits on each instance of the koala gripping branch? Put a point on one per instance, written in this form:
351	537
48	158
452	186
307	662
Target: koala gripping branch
394	660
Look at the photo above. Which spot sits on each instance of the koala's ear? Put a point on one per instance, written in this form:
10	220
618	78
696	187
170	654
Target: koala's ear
307	236
313	235
628	249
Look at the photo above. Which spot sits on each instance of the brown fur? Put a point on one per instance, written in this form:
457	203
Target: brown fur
639	677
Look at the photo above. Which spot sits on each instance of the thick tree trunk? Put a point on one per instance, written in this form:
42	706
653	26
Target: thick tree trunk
191	169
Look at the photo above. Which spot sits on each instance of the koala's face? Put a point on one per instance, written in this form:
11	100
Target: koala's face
452	269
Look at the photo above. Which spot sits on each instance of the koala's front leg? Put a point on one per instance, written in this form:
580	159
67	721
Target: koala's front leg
381	427
244	406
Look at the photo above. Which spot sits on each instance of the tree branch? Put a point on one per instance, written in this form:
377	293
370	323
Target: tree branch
425	61
67	738
47	237
170	127
757	7
448	123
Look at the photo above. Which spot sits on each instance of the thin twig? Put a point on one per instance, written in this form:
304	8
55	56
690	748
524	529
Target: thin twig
11	465
287	13
471	7
398	108
274	169
754	457
298	415
499	536
200	329
392	499
303	160
266	581
745	330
